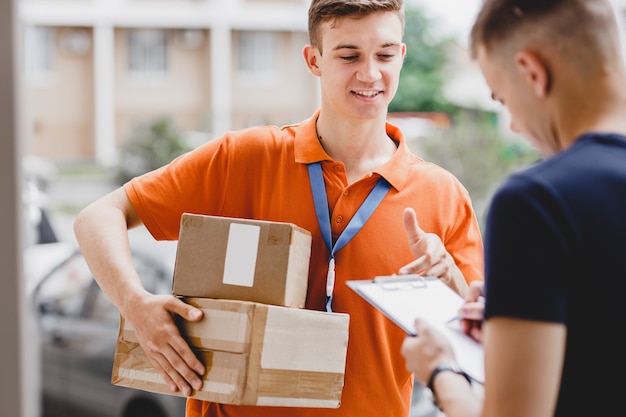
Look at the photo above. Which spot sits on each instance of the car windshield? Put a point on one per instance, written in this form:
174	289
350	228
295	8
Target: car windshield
65	289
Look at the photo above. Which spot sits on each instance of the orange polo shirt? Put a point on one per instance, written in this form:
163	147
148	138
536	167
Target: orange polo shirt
261	173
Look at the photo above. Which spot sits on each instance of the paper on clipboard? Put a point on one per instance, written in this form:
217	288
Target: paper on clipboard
403	298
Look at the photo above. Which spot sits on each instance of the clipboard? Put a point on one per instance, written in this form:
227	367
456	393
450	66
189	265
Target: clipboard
402	298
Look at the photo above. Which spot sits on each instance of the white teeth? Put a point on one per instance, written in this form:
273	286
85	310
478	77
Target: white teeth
367	93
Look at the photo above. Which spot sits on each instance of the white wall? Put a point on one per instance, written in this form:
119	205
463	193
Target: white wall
19	384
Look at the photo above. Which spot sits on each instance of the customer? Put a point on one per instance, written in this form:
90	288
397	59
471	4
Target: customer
555	238
263	173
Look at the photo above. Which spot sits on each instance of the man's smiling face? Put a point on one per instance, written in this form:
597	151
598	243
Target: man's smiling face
360	64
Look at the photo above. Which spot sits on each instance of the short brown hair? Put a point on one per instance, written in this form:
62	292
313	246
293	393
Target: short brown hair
321	11
589	23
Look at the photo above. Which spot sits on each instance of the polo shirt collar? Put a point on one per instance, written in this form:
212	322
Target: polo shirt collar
308	150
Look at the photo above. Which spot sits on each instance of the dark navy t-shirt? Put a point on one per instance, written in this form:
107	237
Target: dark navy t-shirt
555	251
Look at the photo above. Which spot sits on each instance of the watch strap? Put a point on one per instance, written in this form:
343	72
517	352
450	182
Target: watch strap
444	368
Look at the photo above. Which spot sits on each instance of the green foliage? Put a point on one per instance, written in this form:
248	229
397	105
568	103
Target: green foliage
473	148
152	145
475	152
421	79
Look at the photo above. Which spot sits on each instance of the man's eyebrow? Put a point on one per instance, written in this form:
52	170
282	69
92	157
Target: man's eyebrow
349	46
345	46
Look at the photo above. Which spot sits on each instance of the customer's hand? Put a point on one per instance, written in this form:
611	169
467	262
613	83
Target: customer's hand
472	311
425	351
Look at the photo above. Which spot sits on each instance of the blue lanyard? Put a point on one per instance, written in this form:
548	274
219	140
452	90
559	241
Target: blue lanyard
323	217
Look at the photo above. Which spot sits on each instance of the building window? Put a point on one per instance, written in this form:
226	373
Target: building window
258	54
39	51
148	52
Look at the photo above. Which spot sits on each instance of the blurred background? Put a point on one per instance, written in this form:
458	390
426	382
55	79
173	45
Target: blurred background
110	89
114	88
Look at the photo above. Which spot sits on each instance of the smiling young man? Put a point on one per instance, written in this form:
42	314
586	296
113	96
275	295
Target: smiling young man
356	51
555	241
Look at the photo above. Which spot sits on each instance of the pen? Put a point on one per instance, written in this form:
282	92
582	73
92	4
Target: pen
453	319
471	323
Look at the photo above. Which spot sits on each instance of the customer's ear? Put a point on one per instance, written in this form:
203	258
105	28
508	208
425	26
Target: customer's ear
534	72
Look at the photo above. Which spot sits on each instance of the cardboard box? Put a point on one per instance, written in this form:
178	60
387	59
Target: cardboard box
241	259
255	354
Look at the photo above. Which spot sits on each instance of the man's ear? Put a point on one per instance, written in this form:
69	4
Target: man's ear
312	58
534	71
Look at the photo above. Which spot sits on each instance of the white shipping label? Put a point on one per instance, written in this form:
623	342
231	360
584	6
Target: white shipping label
241	253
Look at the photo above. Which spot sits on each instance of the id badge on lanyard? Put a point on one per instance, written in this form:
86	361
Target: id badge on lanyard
323	217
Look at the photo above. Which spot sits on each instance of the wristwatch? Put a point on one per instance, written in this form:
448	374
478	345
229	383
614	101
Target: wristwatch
443	367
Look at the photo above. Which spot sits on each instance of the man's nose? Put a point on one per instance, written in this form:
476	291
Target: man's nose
369	71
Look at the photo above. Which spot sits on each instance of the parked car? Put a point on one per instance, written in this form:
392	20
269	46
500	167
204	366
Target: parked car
78	328
37	223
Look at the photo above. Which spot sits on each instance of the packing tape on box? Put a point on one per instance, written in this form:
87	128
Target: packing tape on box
223	382
277	362
225	326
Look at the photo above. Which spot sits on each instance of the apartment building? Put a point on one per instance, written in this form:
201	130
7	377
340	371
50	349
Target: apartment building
94	70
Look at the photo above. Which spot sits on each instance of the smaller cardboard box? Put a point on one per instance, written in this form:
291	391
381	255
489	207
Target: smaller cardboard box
255	354
241	259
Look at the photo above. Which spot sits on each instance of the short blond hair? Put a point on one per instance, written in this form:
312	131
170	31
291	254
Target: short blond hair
587	27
